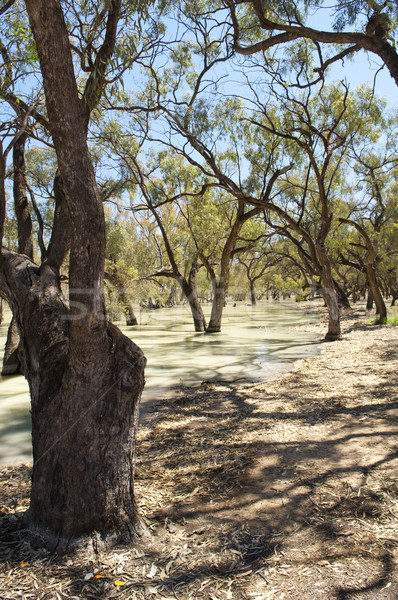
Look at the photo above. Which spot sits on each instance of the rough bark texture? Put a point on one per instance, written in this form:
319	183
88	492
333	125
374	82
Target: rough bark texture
22	212
62	228
85	376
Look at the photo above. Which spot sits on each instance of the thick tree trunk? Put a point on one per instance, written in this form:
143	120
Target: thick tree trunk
84	418
85	377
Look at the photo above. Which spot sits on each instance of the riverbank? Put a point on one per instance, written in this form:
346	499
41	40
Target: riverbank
285	490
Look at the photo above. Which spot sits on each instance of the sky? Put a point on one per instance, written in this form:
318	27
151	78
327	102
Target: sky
362	68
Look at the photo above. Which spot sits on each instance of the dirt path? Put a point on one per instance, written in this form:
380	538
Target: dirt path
282	490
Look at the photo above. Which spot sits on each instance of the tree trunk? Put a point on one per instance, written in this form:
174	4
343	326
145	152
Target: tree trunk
172	297
85	377
252	293
84	417
22	212
219	293
190	291
11	362
330	296
373	285
369	301
131	319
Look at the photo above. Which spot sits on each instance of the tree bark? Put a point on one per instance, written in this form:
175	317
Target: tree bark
22	212
330	296
217	308
190	291
85	377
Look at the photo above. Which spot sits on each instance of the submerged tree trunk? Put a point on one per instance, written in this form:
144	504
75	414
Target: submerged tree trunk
131	319
190	291
217	308
252	293
124	300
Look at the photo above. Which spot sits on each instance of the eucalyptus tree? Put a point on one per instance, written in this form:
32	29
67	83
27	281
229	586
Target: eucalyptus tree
182	111
317	128
359	25
85	377
372	211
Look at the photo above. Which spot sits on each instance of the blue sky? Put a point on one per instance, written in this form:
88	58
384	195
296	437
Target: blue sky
362	68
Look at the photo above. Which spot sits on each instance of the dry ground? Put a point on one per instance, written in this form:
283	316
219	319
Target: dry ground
281	490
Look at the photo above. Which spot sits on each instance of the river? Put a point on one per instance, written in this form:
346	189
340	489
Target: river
256	343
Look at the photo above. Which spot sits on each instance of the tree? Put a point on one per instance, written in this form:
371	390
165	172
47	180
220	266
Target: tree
85	377
258	257
259	26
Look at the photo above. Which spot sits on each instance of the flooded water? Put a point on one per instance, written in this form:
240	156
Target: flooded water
256	343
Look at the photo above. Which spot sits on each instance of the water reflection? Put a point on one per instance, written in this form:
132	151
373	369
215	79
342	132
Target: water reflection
256	343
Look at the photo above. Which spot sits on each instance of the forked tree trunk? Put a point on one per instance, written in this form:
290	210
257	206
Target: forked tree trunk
84	417
371	257
85	376
190	292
